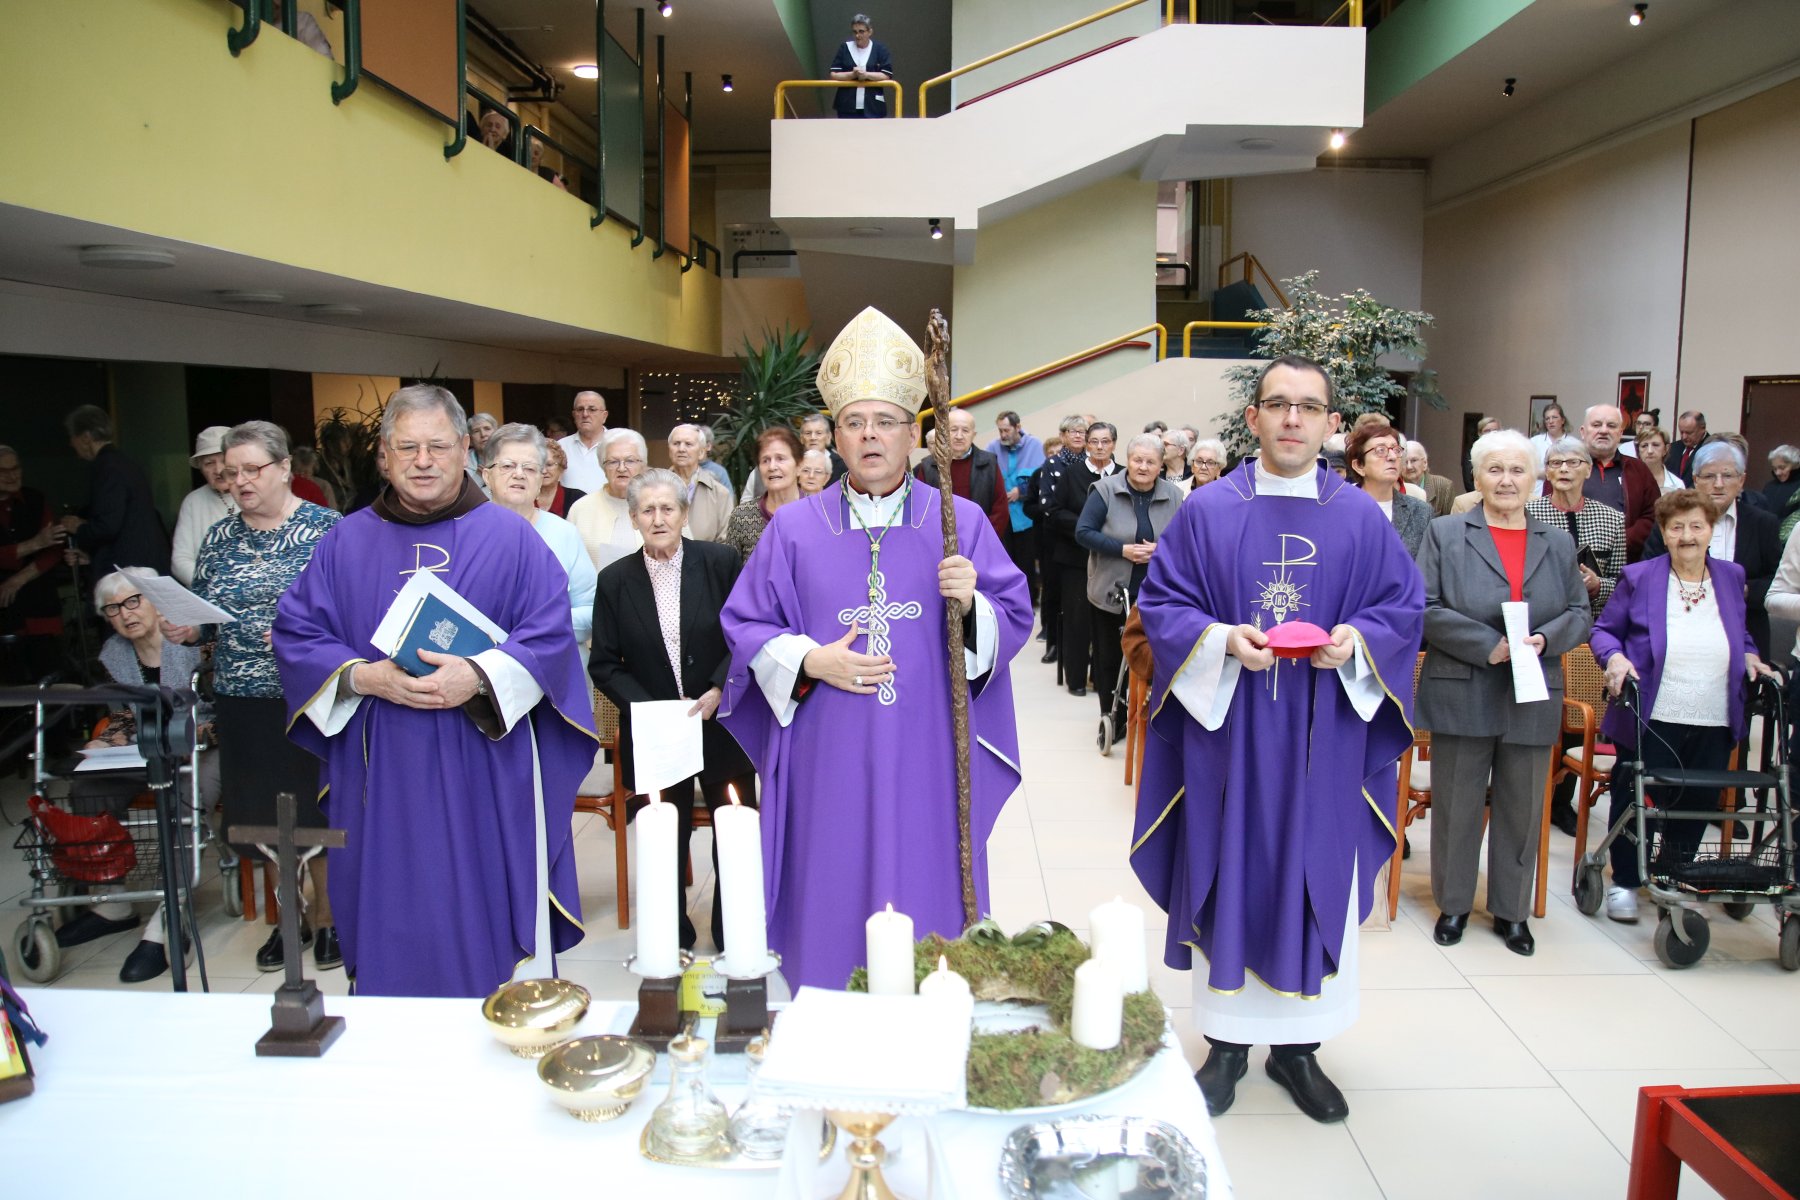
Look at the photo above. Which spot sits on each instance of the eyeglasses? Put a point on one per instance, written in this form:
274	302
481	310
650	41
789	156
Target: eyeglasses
130	602
243	473
1717	477
622	464
1382	452
881	425
1558	464
437	450
514	468
1306	408
1205	464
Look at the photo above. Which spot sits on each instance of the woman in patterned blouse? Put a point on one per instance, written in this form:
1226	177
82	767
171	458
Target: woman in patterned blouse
1594	526
245	564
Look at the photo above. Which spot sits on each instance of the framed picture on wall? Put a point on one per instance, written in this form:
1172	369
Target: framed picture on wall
1634	394
1538	405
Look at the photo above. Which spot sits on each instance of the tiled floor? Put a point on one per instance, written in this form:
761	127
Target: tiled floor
1471	1073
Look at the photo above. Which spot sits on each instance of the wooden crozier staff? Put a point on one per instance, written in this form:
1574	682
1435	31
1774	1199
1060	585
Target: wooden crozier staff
937	390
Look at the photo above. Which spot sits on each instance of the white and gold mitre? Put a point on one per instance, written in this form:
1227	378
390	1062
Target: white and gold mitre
872	359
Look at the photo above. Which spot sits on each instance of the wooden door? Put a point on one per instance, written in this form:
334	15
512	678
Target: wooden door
1771	418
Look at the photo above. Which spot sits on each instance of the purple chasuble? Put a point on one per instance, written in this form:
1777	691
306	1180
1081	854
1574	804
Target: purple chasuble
859	792
435	891
1247	835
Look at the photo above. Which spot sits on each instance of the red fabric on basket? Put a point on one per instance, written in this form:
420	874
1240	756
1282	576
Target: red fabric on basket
85	849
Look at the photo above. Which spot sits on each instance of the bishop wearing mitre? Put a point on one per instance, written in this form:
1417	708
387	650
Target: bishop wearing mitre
839	687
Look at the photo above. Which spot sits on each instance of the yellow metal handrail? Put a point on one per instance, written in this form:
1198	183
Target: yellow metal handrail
1253	265
1187	331
897	99
1067	360
1040	39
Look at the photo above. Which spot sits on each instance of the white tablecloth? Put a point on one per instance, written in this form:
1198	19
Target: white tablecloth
155	1094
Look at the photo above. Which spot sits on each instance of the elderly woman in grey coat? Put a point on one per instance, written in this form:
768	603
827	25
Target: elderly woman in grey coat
1124	515
1474	563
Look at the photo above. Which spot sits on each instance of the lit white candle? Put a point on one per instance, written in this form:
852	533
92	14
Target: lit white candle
1099	1005
658	936
739	833
889	943
945	984
1116	932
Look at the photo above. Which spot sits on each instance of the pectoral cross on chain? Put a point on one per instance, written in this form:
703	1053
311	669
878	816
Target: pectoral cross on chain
301	1028
874	617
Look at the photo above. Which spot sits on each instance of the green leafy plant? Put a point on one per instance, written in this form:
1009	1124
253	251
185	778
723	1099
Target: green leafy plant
1347	335
346	439
778	387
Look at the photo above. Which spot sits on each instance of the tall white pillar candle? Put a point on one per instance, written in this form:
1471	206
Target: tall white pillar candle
1099	1005
739	833
945	984
889	943
658	935
1116	933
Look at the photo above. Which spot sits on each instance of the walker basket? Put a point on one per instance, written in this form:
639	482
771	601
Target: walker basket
1759	870
81	849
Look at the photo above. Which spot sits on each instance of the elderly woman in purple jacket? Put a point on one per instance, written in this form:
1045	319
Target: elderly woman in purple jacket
1676	625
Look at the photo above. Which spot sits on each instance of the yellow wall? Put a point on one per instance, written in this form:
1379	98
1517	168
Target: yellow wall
180	140
357	393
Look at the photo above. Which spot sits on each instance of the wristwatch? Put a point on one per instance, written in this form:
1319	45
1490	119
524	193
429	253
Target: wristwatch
481	686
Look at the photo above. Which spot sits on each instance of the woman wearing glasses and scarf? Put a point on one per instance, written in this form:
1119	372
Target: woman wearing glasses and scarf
245	564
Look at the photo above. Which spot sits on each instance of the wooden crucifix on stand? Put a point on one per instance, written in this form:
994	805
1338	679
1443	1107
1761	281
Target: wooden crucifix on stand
300	1028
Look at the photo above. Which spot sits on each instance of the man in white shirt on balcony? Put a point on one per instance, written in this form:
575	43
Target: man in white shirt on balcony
586	445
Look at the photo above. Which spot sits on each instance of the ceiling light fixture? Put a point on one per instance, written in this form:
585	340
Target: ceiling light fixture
587	71
1638	13
1256	143
937	231
725	83
250	296
1507	91
333	310
126	258
1337	139
665	8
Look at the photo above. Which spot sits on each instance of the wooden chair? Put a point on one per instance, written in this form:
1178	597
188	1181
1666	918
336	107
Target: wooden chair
1412	798
1591	761
1136	721
604	794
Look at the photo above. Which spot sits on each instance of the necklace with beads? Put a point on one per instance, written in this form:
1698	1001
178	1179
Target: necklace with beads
1692	594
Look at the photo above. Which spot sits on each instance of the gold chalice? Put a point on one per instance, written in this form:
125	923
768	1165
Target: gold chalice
866	1154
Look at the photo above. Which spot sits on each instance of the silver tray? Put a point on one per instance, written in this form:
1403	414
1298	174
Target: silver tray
1131	1158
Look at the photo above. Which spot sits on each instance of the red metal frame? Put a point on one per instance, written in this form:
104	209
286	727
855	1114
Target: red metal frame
1669	1133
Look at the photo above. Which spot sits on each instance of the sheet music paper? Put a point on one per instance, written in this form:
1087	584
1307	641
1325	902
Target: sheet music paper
176	604
1527	668
111	758
665	743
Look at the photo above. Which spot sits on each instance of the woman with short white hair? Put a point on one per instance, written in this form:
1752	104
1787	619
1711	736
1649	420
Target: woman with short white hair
1598	529
515	457
1206	462
1784	463
603	517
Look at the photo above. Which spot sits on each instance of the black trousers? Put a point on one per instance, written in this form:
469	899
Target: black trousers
681	795
1077	624
1049	592
1293	1051
1022	546
1695	747
1109	653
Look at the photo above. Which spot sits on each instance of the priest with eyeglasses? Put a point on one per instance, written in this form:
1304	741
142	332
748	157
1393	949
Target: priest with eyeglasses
839	687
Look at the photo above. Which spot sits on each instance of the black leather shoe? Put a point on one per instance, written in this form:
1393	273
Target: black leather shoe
1516	935
1049	655
146	962
1077	690
1563	817
91	925
326	951
1405	847
1449	930
271	958
1313	1093
1219	1074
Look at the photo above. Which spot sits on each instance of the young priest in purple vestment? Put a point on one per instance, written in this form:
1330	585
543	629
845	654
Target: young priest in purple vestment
455	789
839	687
1260	824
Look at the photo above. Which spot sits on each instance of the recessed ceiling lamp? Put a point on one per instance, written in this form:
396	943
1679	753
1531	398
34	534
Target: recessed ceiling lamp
665	8
725	83
333	310
1507	91
1638	13
1337	139
937	231
250	296
866	231
586	71
126	258
1256	144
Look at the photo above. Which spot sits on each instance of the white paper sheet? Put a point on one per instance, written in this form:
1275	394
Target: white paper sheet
177	605
111	758
388	634
665	743
1527	669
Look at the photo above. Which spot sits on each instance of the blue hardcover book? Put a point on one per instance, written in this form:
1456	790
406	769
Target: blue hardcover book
441	629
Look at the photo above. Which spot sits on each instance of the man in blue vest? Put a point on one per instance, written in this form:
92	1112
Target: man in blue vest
1020	454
